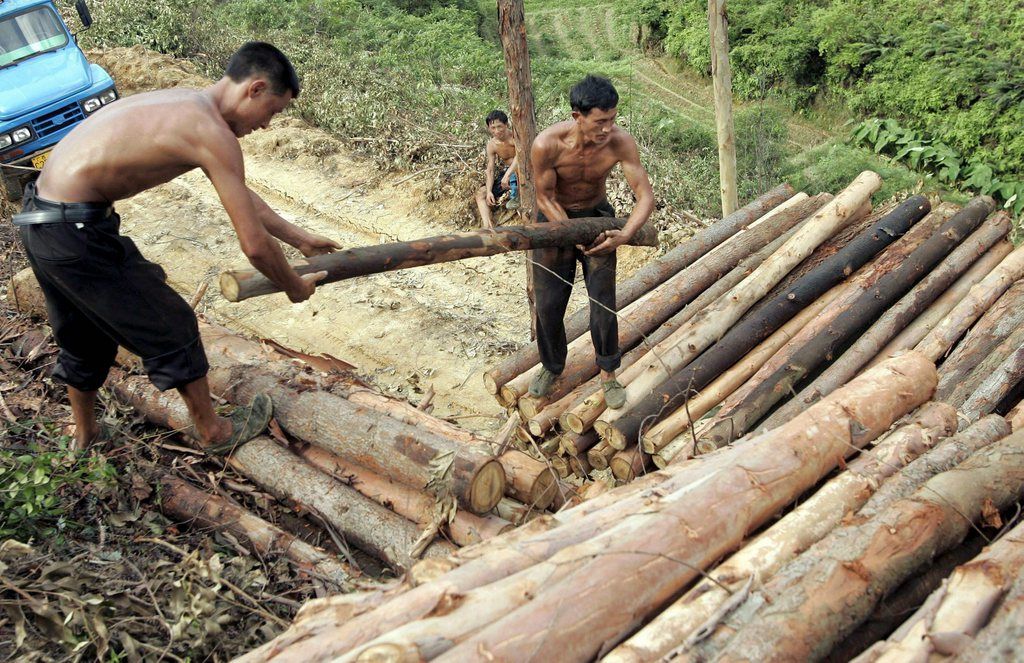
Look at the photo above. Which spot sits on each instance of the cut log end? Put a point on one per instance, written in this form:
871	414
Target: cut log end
616	438
535	427
229	287
571	422
389	653
530	407
490	383
488	487
544	489
507	396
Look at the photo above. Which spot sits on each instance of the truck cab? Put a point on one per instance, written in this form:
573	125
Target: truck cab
46	87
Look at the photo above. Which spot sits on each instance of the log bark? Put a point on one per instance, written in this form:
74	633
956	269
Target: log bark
821	597
933	315
809	522
721	77
630	463
238	285
996	385
896	272
600	455
1002	639
955	613
530	481
994	326
647	278
464	528
650	311
198	508
512	31
712	323
763	320
899	316
983	295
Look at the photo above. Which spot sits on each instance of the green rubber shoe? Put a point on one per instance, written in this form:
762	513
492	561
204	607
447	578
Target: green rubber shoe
541	384
246	423
614	394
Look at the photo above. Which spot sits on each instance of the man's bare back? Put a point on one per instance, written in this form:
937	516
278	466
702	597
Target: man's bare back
137	143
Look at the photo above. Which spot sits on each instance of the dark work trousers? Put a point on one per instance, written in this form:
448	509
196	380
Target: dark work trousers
100	293
551	290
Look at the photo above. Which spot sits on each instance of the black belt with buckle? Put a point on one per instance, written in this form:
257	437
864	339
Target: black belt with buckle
72	213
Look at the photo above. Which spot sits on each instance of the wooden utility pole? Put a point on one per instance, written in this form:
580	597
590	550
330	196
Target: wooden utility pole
721	74
512	30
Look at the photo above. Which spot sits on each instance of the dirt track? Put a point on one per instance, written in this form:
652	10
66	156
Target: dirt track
442	325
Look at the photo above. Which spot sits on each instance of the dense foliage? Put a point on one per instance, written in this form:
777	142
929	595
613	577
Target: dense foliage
951	72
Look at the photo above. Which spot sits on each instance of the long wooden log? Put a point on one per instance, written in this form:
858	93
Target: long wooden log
899	316
996	384
897	273
647	278
933	315
238	285
813	603
198	508
650	311
630	463
712	323
762	321
784	540
946	455
1002	639
531	481
954	614
992	330
983	295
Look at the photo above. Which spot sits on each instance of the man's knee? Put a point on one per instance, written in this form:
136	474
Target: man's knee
85	373
179	367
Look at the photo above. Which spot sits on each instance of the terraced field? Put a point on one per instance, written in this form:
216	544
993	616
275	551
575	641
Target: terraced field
588	31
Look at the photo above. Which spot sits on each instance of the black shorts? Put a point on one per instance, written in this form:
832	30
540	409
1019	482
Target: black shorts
496	189
101	293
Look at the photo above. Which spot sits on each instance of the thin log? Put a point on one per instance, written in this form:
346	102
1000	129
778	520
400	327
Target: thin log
515	511
721	77
464	528
628	464
934	314
896	272
809	522
994	327
242	284
575	444
712	323
956	612
600	455
762	321
650	311
899	316
647	278
530	481
996	384
817	600
982	296
198	508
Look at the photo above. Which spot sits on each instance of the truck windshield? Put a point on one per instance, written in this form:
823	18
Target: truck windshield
30	33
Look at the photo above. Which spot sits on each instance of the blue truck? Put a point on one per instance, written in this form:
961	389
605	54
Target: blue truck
46	87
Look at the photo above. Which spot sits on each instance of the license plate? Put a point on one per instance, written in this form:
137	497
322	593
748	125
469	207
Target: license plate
40	159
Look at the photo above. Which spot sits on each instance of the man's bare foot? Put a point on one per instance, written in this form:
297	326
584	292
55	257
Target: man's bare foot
85	436
245	423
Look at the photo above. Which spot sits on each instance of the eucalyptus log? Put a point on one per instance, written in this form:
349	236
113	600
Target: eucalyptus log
184	503
997	384
647	278
811	521
630	463
651	310
982	296
763	320
464	528
530	481
818	599
712	323
600	455
993	328
955	613
238	285
899	316
576	444
896	273
1002	639
933	315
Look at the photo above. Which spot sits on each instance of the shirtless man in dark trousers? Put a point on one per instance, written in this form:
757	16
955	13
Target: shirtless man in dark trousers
100	291
571	163
501	145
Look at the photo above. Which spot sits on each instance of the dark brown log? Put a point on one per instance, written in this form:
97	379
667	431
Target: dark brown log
647	278
197	508
237	285
895	279
666	300
894	320
766	318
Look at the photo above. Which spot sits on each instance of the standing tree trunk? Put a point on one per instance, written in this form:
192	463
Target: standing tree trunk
721	76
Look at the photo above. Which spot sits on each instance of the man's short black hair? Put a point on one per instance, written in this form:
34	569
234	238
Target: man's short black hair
257	58
496	115
593	92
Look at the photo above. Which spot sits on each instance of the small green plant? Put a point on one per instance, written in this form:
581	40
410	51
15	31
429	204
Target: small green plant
39	487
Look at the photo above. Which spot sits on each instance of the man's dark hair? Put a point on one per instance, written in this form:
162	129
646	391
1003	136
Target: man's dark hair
257	58
593	92
496	115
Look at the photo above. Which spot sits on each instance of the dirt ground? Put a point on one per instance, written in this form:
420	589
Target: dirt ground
441	325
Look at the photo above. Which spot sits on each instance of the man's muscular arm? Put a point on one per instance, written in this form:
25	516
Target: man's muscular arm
640	183
220	157
489	173
545	179
289	233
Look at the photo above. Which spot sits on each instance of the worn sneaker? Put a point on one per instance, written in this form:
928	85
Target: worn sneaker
541	384
614	394
246	423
